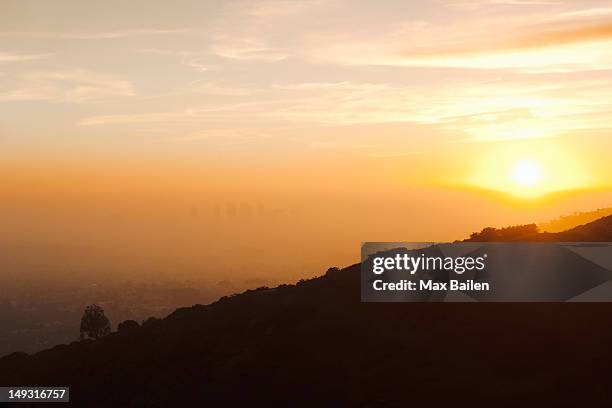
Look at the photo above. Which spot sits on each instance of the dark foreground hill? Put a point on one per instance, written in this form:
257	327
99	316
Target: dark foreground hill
316	344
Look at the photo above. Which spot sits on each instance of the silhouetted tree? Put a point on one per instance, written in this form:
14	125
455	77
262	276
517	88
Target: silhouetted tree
127	325
487	234
527	232
332	270
94	323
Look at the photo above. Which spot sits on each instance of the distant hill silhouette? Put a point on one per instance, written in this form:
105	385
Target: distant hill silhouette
570	221
316	344
599	230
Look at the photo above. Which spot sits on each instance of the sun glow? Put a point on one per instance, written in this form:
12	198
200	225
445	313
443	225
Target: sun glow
527	173
529	169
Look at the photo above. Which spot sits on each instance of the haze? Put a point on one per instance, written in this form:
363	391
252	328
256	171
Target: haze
236	139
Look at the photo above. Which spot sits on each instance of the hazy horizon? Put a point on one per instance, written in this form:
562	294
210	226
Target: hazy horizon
237	139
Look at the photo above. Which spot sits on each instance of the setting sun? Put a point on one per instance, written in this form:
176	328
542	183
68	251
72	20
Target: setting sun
527	173
514	168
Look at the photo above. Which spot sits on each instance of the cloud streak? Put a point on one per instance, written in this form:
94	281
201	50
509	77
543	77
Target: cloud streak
550	37
108	35
12	57
74	86
479	70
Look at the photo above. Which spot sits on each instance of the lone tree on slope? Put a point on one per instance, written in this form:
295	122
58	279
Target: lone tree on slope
94	323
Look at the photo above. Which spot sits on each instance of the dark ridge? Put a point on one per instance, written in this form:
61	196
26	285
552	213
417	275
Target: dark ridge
599	230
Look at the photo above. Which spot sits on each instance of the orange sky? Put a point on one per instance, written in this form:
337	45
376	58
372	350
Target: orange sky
163	135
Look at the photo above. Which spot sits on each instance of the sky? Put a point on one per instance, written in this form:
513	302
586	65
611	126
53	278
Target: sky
161	127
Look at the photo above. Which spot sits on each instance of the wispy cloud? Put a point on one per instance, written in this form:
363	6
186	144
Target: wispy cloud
107	35
192	114
223	135
546	36
540	47
15	57
584	13
74	86
25	94
246	49
486	3
139	118
276	8
192	59
563	36
211	88
484	71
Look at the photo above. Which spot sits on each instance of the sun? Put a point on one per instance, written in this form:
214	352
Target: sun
527	173
529	169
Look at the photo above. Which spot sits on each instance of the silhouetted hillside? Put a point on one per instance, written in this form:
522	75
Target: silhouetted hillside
599	230
570	221
316	344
